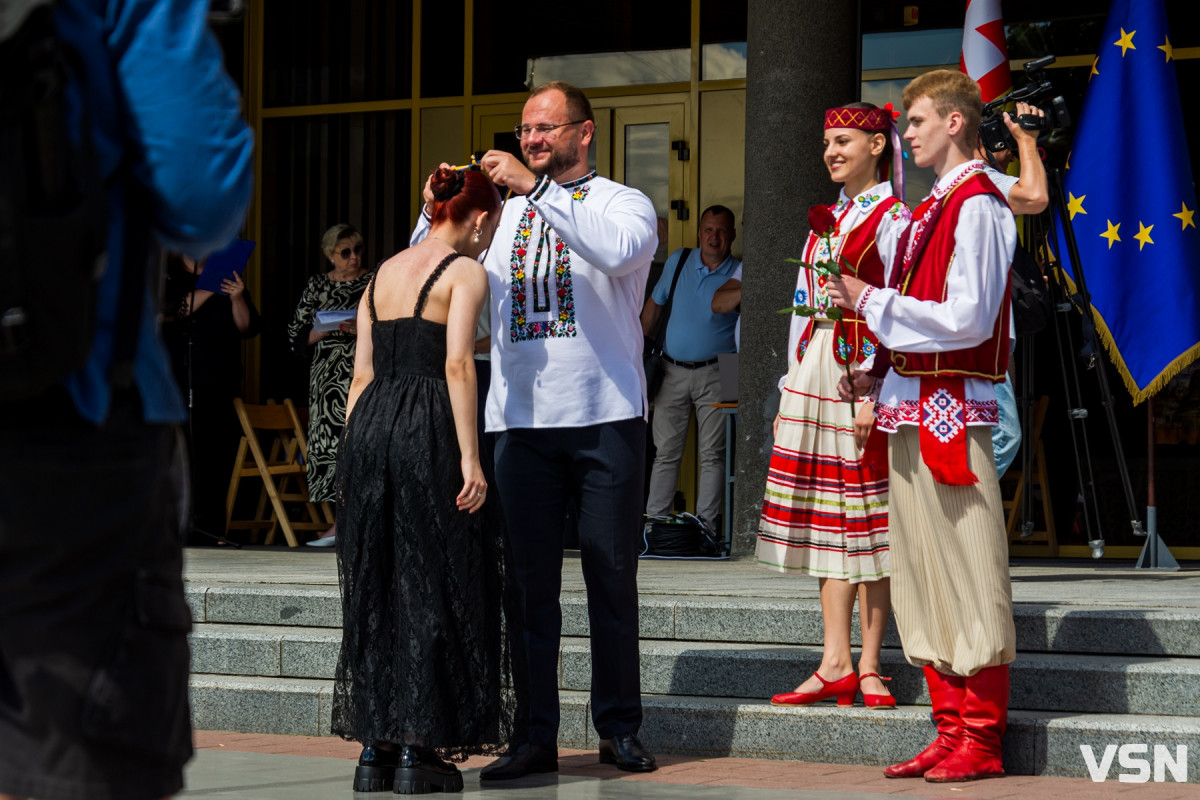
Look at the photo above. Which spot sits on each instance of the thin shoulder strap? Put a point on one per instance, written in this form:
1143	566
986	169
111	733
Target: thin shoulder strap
371	296
433	278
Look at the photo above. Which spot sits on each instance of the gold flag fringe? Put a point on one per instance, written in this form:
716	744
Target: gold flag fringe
1139	394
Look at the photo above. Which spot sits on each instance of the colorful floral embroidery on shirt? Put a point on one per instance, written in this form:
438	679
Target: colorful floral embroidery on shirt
820	297
558	260
865	201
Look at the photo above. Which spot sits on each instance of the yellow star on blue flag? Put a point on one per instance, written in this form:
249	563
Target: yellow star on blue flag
1144	287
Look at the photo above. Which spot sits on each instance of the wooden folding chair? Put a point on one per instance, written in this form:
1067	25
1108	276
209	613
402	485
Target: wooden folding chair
1040	479
281	467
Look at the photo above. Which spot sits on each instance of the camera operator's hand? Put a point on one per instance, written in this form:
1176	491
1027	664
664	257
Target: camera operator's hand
1030	194
1016	130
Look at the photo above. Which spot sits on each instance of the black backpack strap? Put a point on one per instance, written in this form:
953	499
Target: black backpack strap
660	333
52	199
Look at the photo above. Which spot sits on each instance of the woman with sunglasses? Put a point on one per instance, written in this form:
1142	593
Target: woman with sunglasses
332	355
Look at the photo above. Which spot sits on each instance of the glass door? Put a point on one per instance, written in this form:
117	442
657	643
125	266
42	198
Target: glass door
643	157
647	142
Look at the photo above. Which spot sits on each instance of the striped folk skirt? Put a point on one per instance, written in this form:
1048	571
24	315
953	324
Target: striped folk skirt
824	514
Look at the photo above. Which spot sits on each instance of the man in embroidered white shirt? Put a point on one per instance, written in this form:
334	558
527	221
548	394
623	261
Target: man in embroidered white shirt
944	319
567	273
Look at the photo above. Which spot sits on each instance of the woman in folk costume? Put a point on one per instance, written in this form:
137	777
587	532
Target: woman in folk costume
825	509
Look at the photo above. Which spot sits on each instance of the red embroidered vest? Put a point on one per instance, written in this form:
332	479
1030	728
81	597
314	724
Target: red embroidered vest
858	250
926	280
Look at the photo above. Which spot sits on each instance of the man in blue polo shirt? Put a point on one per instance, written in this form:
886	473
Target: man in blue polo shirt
695	335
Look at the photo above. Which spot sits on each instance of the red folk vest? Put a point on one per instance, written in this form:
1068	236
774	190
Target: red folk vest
858	250
925	279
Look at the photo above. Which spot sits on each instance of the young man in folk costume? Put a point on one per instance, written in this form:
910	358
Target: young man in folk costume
944	318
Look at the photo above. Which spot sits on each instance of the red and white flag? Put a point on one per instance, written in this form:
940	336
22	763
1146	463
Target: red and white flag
984	53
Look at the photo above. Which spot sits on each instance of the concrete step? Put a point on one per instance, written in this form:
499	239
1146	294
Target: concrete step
1040	681
303	706
266	604
270	651
1040	627
1037	743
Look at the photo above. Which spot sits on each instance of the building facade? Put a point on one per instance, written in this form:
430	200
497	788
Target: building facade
697	102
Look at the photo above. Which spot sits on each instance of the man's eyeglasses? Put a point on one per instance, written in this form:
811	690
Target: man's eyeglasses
523	131
346	251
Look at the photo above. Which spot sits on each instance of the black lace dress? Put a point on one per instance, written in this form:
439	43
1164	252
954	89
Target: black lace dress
430	632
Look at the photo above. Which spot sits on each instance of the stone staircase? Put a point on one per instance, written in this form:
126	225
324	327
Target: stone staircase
263	658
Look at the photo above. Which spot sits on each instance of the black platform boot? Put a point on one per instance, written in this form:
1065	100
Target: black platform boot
376	770
420	771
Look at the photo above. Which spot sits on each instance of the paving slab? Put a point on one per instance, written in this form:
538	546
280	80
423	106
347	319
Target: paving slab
232	765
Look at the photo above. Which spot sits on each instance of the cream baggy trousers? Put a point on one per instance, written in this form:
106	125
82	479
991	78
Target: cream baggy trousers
949	551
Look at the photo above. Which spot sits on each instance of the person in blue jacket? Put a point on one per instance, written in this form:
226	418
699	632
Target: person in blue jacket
93	623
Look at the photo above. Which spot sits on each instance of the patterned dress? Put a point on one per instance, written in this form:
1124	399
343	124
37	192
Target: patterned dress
329	375
825	507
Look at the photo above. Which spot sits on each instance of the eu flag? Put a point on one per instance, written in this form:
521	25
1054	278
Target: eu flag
1132	202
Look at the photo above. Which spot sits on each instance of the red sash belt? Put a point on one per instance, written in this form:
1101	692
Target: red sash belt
943	436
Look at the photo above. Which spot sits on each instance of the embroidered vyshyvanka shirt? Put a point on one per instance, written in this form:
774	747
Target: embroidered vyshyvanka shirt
567	271
985	238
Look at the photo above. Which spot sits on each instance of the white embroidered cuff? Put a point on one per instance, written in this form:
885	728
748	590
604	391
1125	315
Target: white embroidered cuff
861	305
539	188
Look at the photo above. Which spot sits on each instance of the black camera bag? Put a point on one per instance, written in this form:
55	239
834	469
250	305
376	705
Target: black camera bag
1031	302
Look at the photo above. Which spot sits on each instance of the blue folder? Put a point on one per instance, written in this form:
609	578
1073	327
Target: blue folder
221	265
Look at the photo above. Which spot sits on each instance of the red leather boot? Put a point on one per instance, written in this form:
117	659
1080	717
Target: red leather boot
984	718
946	695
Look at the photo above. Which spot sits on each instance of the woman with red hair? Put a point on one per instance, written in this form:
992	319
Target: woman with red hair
429	648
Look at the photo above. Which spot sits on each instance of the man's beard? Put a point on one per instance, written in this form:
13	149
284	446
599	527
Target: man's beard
558	163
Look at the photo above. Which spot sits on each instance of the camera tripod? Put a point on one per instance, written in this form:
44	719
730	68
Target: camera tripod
1155	554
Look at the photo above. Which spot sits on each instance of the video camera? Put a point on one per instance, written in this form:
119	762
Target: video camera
1040	92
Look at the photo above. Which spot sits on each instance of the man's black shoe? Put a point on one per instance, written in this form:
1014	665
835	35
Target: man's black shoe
627	753
525	760
420	771
376	770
